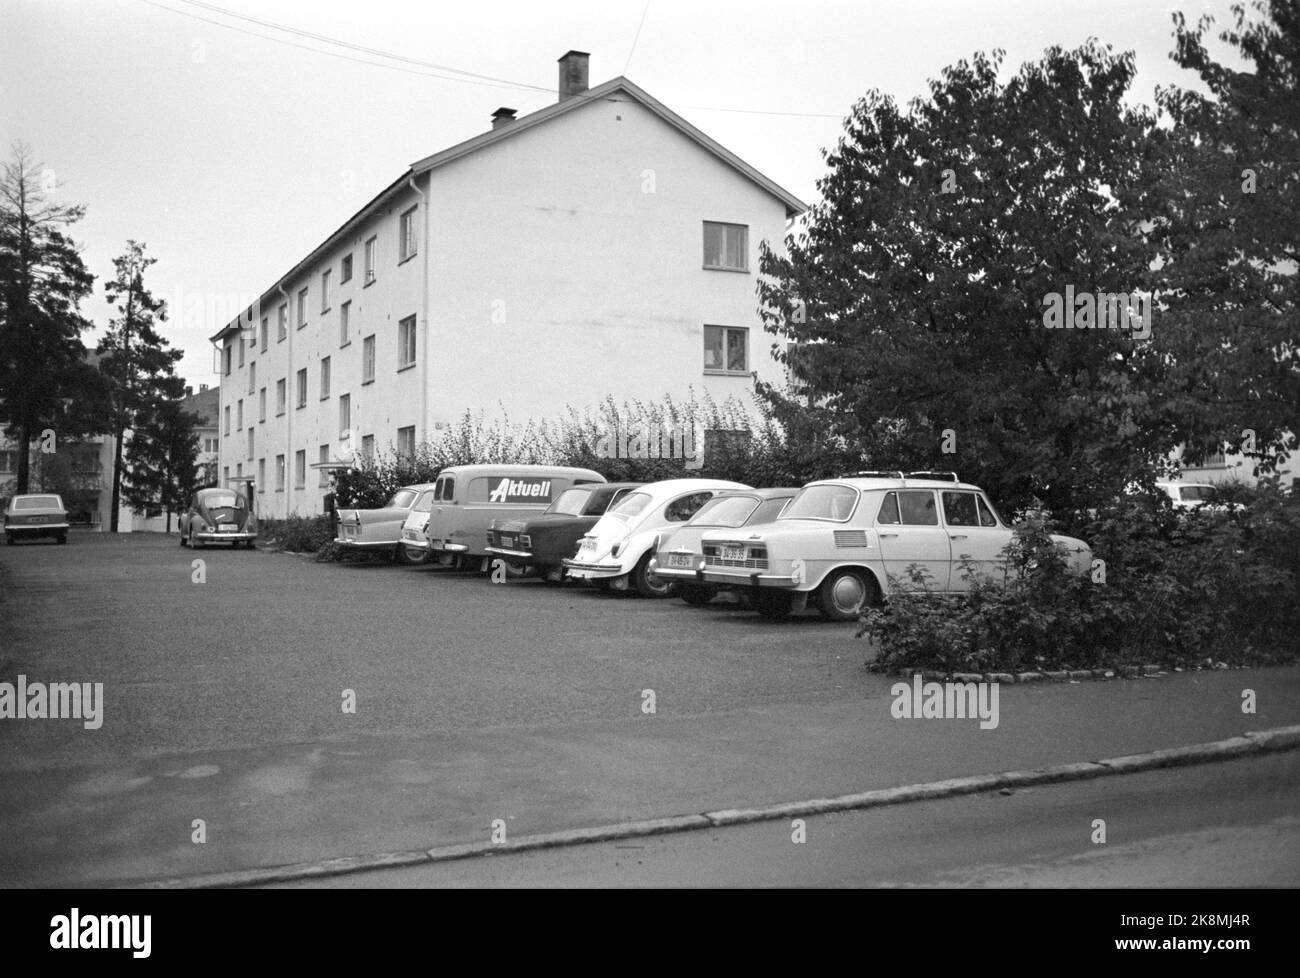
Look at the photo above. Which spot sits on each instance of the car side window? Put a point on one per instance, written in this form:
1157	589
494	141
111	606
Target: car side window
959	509
682	509
918	508
888	515
986	514
425	503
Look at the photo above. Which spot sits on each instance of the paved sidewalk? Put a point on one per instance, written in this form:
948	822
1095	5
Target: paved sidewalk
132	821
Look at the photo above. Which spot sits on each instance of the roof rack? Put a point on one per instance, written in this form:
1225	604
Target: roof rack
873	475
943	476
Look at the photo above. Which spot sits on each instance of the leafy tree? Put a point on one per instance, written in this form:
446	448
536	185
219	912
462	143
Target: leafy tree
135	360
42	280
161	469
913	301
1229	238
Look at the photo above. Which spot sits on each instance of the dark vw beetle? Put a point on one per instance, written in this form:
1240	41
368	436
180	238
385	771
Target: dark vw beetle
218	516
543	541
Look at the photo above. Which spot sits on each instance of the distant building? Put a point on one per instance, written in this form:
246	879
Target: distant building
600	246
207	405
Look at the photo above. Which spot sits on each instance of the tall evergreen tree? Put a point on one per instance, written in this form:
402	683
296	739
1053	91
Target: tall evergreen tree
135	360
161	468
42	280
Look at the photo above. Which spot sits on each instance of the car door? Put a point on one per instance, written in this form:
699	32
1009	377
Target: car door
909	530
973	531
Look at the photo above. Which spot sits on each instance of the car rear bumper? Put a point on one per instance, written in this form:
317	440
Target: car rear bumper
514	554
750	579
36	528
588	571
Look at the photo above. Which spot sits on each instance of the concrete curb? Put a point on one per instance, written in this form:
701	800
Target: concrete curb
1250	743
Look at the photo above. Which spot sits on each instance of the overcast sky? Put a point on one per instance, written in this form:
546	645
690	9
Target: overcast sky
232	155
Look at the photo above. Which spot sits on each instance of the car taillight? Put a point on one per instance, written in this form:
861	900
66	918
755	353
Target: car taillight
526	541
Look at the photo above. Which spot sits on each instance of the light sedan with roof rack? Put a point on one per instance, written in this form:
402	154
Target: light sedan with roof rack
844	543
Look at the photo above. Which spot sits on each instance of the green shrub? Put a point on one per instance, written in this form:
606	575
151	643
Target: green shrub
1179	588
299	534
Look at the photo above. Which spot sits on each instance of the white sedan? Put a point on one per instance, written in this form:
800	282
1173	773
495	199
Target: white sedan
616	552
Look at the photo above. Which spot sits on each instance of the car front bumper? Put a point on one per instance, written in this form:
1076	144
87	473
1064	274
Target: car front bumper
583	570
215	536
367	544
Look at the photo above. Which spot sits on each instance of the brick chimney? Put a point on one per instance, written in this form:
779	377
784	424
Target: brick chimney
502	117
573	74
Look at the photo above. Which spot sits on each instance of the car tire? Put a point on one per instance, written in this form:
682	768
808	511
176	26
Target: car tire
412	556
647	585
774	605
63	538
694	594
9	539
844	593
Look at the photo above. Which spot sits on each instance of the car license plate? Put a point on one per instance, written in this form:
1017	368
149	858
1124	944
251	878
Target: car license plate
733	553
228	528
38	519
507	540
679	560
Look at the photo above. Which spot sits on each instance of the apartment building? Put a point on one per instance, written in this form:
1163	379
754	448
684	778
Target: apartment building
600	246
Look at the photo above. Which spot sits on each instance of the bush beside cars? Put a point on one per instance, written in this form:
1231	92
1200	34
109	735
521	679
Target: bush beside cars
298	534
1179	588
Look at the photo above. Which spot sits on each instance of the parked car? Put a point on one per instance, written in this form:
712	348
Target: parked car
379	530
413	547
468	498
36	515
1185	495
218	516
840	541
617	551
677	553
541	543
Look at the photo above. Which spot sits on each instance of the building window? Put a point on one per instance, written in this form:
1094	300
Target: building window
261	476
239	472
279	473
324	472
8	461
250	443
225	475
726	350
302	387
368	359
266	330
239	413
406	442
300	469
726	246
261	405
345	414
279	397
345	273
302	308
252	378
345	317
282	323
325	291
368	448
370	260
406	343
406	235
227	419
225	356
241	349
324	378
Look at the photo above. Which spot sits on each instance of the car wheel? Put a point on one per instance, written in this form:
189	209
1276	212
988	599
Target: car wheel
63	538
646	584
772	604
843	594
413	556
694	594
9	539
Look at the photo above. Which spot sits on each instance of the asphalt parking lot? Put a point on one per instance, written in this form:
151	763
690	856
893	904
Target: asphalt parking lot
477	704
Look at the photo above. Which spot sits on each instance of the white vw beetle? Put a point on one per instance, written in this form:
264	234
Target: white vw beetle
616	551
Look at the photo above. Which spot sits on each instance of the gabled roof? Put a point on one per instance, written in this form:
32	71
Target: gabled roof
610	91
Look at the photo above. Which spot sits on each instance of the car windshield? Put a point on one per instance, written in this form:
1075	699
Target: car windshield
402	499
222	500
1195	494
37	502
725	511
571	502
630	505
822	503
